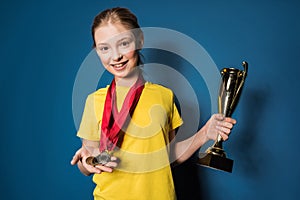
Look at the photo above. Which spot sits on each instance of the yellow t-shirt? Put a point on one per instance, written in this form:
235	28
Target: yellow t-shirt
144	172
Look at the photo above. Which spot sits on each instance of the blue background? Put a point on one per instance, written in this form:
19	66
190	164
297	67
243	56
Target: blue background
43	44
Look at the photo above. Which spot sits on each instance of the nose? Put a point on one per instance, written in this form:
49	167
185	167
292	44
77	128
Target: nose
117	56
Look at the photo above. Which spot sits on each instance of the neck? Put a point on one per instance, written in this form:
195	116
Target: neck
129	80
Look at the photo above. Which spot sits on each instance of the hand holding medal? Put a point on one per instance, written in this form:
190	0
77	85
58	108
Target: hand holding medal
92	161
102	159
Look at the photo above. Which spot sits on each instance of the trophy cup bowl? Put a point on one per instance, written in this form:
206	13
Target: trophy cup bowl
232	82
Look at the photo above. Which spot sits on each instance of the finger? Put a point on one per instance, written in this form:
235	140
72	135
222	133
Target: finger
230	120
93	170
223	129
111	164
75	158
225	124
223	135
104	168
219	117
90	168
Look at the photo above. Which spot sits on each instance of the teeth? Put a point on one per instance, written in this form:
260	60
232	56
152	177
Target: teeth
119	65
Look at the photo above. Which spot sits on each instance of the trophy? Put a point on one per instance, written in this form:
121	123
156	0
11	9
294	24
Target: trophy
231	85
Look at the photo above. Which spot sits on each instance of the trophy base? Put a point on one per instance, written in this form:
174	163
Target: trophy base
215	161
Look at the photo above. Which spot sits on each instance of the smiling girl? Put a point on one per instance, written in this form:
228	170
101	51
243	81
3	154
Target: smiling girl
128	127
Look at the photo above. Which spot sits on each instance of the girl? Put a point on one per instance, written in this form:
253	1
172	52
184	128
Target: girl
130	125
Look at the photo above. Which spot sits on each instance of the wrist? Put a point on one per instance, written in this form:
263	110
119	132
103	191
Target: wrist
202	135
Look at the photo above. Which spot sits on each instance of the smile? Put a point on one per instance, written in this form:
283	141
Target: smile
119	65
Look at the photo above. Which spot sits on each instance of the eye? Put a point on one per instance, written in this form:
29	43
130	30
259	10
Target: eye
103	49
124	43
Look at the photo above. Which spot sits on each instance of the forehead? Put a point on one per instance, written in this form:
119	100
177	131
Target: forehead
111	32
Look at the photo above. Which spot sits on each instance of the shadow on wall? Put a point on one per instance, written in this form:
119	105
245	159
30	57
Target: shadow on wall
187	182
247	144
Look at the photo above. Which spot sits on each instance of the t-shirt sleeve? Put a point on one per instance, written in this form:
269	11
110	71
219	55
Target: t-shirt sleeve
176	119
89	126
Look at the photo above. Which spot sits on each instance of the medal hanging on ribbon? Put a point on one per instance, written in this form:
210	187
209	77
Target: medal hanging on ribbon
114	122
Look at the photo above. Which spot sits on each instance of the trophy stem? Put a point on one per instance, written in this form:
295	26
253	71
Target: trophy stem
215	157
217	148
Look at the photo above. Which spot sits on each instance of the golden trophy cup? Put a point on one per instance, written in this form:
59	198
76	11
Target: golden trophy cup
231	86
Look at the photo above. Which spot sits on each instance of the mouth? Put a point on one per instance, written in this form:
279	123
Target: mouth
119	66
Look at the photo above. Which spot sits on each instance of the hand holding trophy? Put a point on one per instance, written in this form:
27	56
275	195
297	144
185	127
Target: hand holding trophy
231	86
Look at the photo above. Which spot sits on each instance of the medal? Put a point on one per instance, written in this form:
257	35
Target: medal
102	159
113	121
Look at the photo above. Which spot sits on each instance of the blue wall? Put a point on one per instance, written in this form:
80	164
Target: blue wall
43	44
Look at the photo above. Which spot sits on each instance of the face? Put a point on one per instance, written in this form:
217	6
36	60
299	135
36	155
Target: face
116	47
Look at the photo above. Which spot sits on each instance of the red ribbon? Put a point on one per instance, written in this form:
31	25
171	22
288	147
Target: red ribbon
114	122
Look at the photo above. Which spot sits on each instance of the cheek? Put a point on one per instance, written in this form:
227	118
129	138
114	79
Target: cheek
104	58
131	54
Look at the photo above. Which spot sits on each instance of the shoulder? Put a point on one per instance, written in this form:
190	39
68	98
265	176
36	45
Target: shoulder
158	92
98	95
101	91
154	87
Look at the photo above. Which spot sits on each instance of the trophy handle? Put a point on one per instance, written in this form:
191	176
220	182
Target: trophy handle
243	74
245	65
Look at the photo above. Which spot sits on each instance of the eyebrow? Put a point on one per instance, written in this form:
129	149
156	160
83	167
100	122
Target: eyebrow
102	43
125	37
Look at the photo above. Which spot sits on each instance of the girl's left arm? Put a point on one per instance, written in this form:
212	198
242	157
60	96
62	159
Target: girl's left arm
216	125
